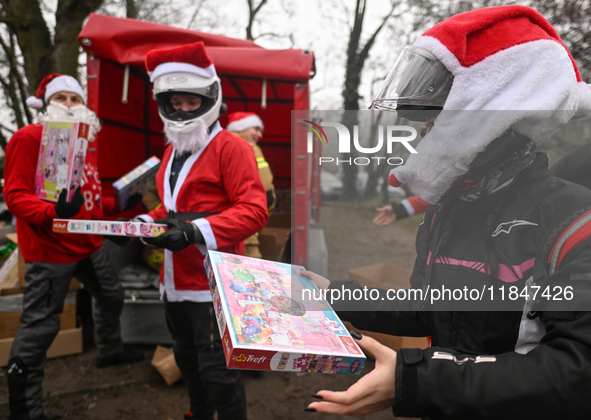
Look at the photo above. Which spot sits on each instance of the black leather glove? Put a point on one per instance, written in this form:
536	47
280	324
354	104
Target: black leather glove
179	236
65	210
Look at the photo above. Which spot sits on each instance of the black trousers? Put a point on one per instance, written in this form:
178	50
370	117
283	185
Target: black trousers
200	357
46	287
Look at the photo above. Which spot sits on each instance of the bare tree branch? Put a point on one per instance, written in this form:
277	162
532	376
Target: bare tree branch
197	10
10	84
33	38
367	47
3	144
252	12
271	34
6	128
19	81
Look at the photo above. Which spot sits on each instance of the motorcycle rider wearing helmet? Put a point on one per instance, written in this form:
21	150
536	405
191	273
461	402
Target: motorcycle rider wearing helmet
499	81
212	199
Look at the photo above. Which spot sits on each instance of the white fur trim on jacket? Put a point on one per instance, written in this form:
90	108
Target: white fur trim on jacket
584	108
208	236
170	198
166	68
530	87
244	123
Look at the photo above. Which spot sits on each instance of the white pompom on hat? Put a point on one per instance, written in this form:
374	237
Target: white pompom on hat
52	84
238	121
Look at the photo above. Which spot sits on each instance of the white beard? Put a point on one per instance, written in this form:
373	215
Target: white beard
191	138
79	113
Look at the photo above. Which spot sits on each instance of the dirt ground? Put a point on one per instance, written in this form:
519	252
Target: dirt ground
76	389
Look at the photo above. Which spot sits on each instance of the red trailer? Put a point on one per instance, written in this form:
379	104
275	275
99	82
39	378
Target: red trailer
270	83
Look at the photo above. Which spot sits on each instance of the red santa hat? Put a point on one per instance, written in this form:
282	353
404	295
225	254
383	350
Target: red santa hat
190	58
238	121
507	59
52	84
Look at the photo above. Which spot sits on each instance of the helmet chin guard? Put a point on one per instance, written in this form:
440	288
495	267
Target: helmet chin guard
208	89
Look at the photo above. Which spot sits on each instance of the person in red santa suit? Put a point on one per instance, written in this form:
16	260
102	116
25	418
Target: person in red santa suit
212	199
249	126
53	259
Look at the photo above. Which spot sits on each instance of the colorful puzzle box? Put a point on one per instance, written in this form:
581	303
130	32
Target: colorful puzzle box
272	319
139	181
61	159
108	227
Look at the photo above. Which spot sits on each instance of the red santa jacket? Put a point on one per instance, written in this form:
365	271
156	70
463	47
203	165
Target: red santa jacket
34	216
222	178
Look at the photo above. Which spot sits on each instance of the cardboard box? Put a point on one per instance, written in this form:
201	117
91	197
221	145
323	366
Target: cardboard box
22	269
67	342
11	306
9	271
108	227
272	242
9	281
140	180
274	236
272	319
386	276
62	153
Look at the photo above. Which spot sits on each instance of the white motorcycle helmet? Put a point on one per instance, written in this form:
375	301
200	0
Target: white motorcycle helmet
208	89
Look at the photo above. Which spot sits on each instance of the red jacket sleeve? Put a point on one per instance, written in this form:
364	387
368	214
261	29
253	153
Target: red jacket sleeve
159	213
19	178
248	213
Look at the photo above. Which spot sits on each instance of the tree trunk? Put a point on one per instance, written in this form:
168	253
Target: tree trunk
69	17
34	40
131	10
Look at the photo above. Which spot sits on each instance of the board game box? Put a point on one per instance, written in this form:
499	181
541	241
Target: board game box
108	227
272	319
61	159
140	180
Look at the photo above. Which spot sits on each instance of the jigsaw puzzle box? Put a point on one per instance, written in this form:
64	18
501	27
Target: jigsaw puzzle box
108	227
139	181
272	319
61	159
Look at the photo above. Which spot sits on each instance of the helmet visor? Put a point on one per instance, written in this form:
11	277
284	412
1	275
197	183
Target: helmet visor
417	78
183	106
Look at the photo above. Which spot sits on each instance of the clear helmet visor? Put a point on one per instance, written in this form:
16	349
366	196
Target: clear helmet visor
417	79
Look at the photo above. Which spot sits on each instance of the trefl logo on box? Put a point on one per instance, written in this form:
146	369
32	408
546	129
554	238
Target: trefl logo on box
227	344
250	359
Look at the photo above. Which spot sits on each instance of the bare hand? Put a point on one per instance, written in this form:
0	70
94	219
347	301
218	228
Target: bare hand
320	282
385	217
373	392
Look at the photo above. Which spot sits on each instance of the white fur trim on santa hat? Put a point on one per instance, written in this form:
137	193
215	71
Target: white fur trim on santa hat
529	87
244	123
64	83
584	108
166	68
34	102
